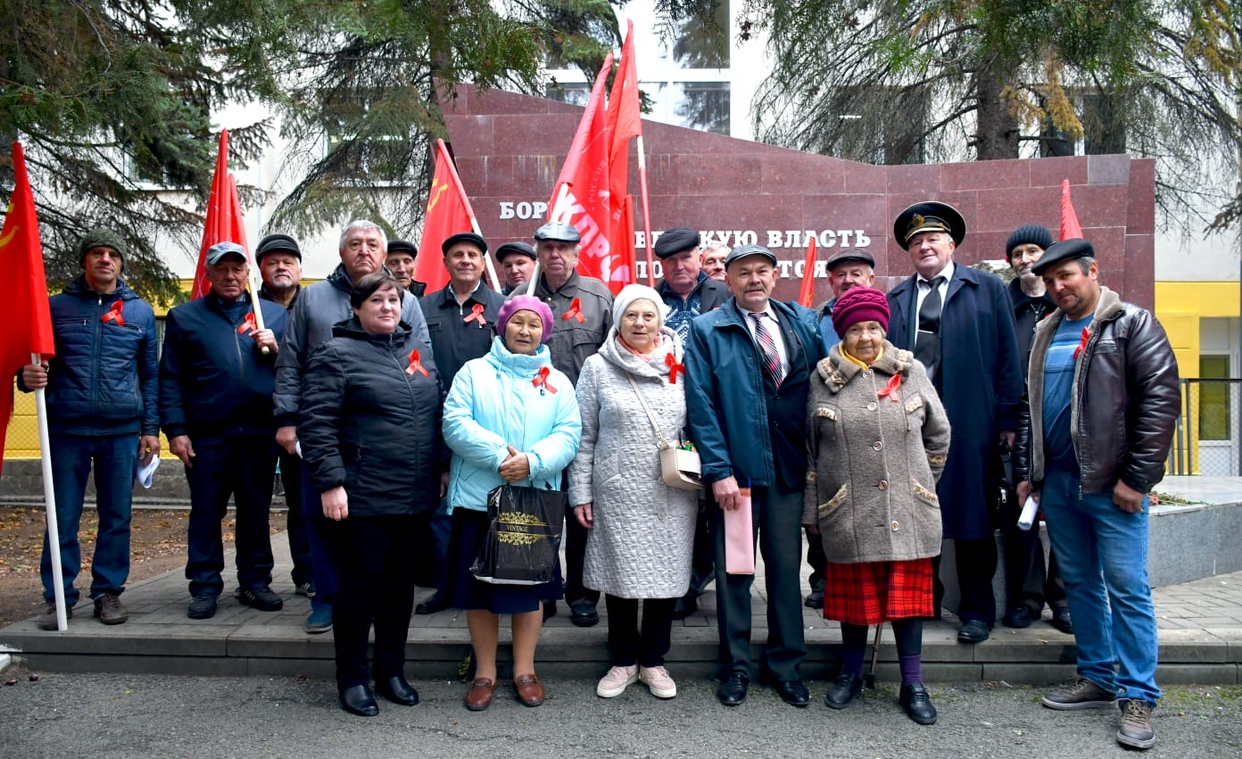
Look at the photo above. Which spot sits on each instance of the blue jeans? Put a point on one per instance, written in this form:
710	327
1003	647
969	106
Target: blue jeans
113	457
1102	552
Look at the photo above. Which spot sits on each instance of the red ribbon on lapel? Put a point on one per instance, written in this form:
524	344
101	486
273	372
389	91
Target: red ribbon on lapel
574	312
673	368
476	314
248	325
415	365
542	380
891	389
1085	335
114	313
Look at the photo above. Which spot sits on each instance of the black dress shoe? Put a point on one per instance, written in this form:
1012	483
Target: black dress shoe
357	699
1019	617
549	610
793	692
397	690
733	691
814	600
686	605
1061	620
438	602
843	690
583	615
917	703
973	631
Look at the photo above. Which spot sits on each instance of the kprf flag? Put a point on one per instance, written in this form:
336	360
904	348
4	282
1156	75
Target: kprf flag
623	122
448	212
1070	228
224	217
581	194
24	308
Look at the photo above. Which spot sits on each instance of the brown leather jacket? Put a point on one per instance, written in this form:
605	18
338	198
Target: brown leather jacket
1125	404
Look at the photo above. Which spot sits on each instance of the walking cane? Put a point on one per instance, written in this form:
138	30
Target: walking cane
869	679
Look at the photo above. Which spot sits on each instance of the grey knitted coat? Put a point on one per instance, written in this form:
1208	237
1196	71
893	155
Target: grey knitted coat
874	460
640	545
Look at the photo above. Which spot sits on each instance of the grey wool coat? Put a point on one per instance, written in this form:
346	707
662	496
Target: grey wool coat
874	460
640	545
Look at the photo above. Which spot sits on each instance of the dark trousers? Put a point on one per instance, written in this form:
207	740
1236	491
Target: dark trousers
376	585
975	561
243	468
630	645
299	540
441	531
816	560
776	517
702	562
575	556
321	539
1026	580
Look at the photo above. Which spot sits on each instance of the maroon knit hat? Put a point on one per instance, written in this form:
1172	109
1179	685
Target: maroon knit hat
859	304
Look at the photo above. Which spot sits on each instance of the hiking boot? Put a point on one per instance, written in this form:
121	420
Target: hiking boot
658	681
616	681
261	598
110	610
48	620
1136	730
1080	694
202	607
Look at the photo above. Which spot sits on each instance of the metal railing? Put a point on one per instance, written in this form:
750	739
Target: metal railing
1208	435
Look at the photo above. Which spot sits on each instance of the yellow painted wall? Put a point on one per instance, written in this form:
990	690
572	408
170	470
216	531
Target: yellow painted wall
1180	306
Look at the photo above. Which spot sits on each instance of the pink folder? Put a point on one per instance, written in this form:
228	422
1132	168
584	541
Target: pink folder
739	537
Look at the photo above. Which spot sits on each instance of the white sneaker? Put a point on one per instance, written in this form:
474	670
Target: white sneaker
659	681
616	681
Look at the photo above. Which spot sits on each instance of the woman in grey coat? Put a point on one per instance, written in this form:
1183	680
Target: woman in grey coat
641	532
878	438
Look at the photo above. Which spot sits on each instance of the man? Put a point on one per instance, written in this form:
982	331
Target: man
688	292
959	323
103	409
280	265
216	409
713	262
517	263
400	262
1104	401
748	367
461	319
582	315
320	306
1028	584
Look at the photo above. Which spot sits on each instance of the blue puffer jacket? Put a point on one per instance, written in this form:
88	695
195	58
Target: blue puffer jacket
104	379
494	404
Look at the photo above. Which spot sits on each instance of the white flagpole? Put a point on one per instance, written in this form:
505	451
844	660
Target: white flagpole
487	259
49	501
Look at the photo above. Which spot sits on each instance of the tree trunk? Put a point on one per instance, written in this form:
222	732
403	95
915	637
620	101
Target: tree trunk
997	135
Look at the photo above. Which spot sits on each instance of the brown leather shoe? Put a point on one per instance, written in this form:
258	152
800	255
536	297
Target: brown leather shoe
479	697
529	689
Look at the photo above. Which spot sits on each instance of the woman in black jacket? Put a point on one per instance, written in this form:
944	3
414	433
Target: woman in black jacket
370	433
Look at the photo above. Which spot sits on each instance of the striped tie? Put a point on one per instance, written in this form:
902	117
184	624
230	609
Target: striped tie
771	358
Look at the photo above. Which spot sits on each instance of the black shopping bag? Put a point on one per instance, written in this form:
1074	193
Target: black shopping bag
524	536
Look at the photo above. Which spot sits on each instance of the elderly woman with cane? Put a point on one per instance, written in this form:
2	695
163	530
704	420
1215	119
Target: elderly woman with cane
878	438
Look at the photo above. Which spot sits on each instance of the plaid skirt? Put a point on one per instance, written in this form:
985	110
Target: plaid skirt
876	592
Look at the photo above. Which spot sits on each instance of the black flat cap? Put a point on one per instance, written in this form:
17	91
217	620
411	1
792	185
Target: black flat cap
558	230
274	243
1060	252
745	251
514	247
461	237
850	255
929	216
402	246
675	240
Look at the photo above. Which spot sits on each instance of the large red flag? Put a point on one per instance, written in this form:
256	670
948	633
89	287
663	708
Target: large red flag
623	122
448	212
1070	228
580	195
24	308
807	294
224	217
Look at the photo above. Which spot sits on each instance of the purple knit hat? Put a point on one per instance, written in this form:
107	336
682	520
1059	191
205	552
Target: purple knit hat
525	303
859	304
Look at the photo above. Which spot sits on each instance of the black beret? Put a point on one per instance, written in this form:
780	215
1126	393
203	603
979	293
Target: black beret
929	216
845	255
469	237
743	251
274	243
1031	234
675	240
402	246
514	247
1066	250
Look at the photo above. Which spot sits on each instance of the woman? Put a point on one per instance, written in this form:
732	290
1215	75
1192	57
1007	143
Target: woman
370	434
509	418
878	438
641	532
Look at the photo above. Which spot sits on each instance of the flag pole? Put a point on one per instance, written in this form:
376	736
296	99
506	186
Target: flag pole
49	502
487	259
252	281
442	149
642	186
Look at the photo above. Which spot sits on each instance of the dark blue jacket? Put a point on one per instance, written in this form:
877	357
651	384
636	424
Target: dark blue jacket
214	382
104	379
741	426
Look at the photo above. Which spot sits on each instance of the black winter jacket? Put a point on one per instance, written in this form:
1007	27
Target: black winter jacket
368	424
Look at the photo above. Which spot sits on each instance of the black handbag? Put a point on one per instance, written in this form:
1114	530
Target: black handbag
524	536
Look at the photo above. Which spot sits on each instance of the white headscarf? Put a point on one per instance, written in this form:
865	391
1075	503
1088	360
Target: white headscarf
631	293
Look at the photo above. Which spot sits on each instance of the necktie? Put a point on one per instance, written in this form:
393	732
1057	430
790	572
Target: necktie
771	358
927	345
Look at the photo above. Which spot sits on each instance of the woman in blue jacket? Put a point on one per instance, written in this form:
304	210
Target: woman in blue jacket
509	418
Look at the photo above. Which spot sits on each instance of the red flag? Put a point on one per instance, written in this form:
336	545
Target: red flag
1070	227
224	217
623	122
24	308
580	196
624	257
448	212
807	293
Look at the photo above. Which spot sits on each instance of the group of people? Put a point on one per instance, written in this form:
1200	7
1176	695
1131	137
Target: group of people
873	425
